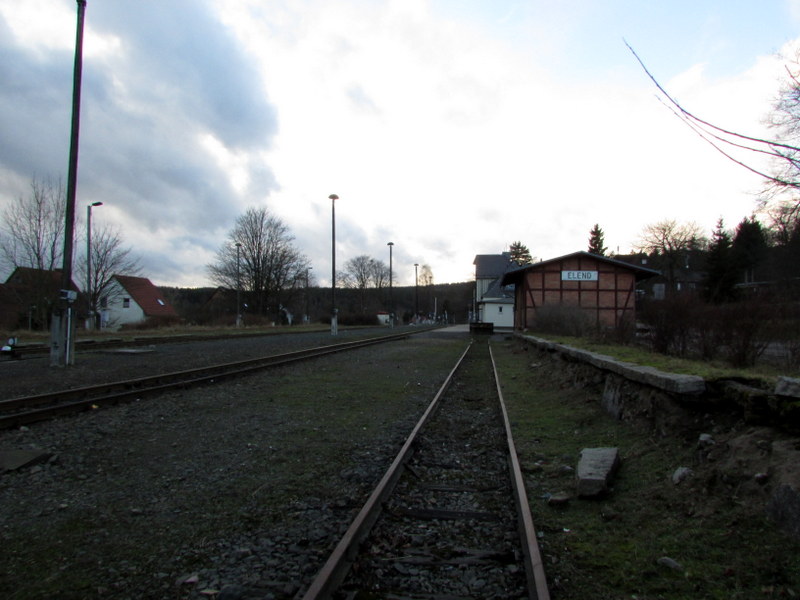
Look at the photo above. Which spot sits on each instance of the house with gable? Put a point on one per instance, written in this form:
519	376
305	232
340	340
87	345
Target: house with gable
28	296
130	300
493	301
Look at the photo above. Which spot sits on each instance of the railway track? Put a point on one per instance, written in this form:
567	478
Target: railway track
39	350
23	410
450	518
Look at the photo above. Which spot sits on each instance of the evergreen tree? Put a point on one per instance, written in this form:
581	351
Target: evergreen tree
520	254
722	274
749	248
596	241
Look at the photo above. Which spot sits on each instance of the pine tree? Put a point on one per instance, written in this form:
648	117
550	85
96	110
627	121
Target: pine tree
749	248
721	271
520	254
596	241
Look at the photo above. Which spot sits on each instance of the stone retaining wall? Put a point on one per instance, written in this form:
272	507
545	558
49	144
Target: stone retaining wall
758	429
633	390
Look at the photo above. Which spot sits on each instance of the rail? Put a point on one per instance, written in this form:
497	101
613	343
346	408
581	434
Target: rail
336	568
20	411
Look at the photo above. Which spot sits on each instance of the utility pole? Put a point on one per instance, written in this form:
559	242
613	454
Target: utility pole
334	310
391	298
238	286
416	293
62	342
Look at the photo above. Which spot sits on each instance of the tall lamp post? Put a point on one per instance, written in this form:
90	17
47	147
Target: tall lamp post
391	298
308	303
62	342
416	293
334	310
238	286
89	289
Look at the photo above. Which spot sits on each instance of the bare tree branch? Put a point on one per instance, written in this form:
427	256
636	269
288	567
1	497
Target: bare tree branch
720	138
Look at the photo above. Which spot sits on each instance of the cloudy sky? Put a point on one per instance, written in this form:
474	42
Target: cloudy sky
449	127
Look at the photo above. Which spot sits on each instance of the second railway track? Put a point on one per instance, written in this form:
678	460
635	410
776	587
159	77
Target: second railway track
450	518
28	409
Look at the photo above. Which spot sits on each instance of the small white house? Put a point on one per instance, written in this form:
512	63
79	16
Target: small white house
132	300
494	303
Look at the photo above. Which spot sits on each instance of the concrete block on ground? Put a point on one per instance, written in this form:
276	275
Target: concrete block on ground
596	468
11	460
787	386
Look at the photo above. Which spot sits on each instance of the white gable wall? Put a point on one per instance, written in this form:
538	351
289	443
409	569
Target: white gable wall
117	312
502	315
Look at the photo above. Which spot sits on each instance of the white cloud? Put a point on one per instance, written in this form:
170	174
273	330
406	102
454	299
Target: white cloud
448	134
463	148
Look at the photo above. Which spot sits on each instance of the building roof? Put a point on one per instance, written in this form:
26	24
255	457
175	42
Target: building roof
489	266
498	294
515	275
147	296
27	276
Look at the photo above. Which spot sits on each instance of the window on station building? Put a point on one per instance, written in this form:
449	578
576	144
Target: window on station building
126	303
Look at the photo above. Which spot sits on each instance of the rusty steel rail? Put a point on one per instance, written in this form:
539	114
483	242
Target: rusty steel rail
534	568
29	409
338	564
89	345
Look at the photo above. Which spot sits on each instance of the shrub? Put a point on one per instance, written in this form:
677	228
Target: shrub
562	320
152	323
623	333
671	322
747	324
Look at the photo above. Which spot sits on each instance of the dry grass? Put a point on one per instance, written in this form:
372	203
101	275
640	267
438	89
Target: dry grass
610	548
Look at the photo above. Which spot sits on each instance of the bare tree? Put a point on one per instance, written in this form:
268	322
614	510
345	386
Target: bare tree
32	231
32	238
364	273
426	281
109	258
266	263
358	274
784	221
425	276
672	241
783	150
785	121
380	274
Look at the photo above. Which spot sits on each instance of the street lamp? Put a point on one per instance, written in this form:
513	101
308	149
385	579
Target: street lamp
308	309
89	290
334	317
238	286
391	298
416	293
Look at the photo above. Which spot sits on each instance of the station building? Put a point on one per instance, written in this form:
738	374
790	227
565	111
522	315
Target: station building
603	288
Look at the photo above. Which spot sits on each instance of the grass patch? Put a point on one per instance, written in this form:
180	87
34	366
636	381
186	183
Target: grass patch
715	369
610	548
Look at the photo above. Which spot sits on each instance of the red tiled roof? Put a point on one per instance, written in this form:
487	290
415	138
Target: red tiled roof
147	296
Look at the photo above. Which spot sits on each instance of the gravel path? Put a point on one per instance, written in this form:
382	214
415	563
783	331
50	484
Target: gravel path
234	491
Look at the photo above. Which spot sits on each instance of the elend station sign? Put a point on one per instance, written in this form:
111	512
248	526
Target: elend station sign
578	275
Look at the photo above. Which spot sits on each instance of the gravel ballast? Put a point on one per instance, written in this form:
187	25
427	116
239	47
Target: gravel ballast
237	490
